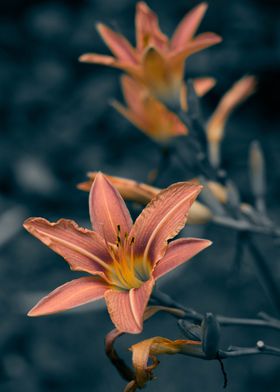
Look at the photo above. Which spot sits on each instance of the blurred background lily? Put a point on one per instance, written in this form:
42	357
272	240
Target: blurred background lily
157	62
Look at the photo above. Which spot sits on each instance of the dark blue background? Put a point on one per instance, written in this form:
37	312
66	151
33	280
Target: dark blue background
56	125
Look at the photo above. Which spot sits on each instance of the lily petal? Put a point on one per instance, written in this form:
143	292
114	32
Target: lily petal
203	85
178	252
188	26
147	28
147	113
143	193
131	116
202	41
162	220
70	295
83	249
95	58
126	308
237	94
108	212
133	93
118	45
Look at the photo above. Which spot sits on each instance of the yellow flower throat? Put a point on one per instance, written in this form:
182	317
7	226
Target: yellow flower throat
127	270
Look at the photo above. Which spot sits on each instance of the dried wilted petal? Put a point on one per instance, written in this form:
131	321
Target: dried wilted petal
150	349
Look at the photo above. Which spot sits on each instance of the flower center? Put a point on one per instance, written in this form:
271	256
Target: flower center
127	270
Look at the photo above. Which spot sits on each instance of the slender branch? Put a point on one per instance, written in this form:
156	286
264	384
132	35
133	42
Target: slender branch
224	373
165	300
266	278
260	349
247	322
233	351
164	160
231	215
125	371
190	314
238	255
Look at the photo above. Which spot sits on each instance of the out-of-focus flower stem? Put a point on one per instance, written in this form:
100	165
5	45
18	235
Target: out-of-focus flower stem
125	371
265	275
231	215
190	314
164	160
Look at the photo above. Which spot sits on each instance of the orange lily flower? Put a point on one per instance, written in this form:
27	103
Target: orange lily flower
124	260
143	194
150	115
157	62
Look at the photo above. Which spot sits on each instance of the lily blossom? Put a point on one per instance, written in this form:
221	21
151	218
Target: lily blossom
123	259
156	61
149	114
143	193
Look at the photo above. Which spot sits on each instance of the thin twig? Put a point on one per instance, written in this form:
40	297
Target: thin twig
125	371
266	278
238	255
164	160
223	372
190	314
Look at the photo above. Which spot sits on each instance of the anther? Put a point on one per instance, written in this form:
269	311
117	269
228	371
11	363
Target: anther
132	241
118	235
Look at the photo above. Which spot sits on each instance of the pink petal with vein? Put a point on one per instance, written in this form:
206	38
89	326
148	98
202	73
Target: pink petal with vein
178	252
108	210
188	26
118	45
126	308
162	219
70	295
83	249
